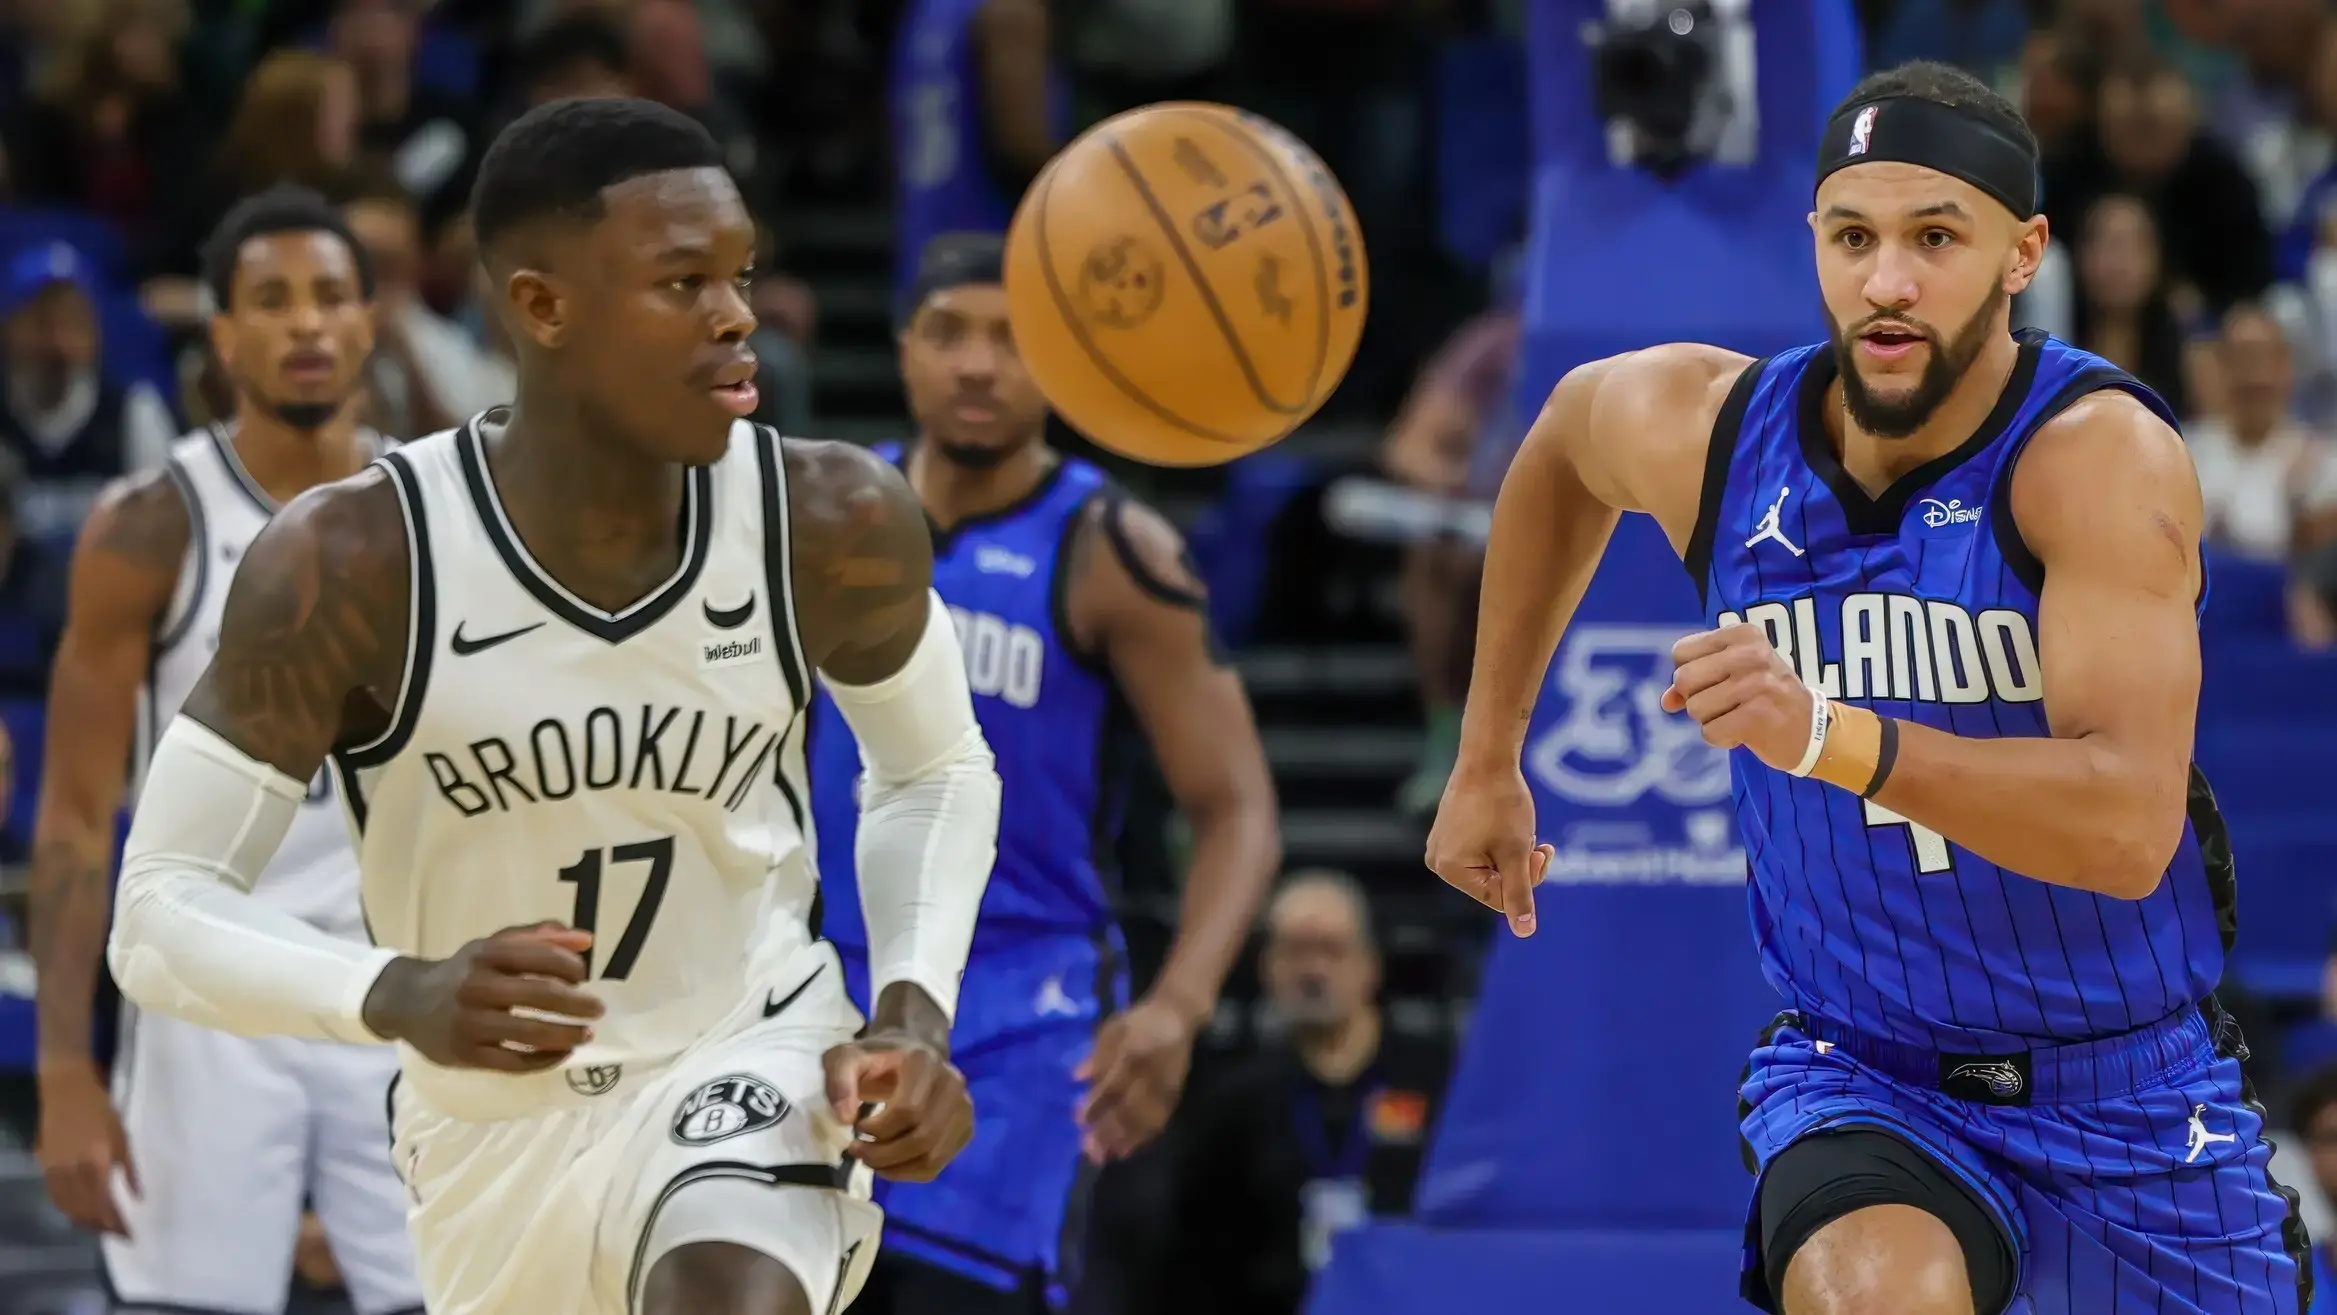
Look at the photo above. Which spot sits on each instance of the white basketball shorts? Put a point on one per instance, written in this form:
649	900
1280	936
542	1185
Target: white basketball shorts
230	1135
567	1210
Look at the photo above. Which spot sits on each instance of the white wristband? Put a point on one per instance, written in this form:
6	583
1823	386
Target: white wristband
1820	719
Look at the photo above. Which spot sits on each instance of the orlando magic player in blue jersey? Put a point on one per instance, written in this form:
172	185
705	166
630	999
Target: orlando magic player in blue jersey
1077	609
976	112
1953	575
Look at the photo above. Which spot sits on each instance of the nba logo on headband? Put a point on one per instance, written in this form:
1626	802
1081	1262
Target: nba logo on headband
1862	130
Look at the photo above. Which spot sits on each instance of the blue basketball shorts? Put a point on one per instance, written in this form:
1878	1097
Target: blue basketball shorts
2129	1174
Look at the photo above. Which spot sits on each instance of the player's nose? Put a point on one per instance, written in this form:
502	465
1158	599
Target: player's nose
1891	278
730	316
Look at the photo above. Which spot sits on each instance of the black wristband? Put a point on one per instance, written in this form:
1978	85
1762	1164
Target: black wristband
1886	755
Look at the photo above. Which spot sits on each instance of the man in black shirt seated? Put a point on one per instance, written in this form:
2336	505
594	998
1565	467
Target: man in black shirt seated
1322	1130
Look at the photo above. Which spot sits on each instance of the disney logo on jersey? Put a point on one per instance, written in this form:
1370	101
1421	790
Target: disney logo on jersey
727	1107
1614	743
714	756
1938	515
1897	646
1004	660
994	559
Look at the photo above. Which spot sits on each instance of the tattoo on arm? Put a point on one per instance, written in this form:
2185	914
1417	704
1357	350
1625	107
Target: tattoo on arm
863	560
316	618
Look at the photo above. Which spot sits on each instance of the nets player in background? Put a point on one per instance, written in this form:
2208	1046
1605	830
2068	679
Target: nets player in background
216	1139
1954	577
1077	610
558	659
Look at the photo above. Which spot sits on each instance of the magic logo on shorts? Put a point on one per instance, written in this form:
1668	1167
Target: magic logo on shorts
727	1107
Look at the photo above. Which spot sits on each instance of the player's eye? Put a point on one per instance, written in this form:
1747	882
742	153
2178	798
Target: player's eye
1937	238
1853	238
687	283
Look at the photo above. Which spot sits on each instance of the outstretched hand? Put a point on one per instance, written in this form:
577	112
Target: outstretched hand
1483	842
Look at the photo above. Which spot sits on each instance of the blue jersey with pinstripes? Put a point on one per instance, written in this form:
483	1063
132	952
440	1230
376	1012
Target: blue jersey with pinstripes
1921	603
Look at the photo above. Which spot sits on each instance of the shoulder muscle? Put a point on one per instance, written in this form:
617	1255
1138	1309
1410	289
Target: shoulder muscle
2109	485
317	614
1127	561
863	559
131	548
1636	427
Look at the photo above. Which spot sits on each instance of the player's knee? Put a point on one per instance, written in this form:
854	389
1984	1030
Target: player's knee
1881	1260
721	1278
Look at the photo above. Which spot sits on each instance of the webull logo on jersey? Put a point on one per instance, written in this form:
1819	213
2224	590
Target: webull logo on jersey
727	1107
716	756
1895	646
714	653
1608	746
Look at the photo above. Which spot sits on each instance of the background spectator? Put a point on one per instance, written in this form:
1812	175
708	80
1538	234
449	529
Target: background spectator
1316	1134
2267	481
68	427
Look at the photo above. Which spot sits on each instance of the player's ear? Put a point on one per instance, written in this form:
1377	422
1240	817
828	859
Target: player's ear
539	308
221	331
2028	252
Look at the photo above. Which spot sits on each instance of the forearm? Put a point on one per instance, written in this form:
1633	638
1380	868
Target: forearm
2074	812
1548	533
904	1007
70	890
1236	848
929	814
189	939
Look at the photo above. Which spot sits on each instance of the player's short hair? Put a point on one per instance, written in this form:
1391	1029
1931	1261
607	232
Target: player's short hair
1945	84
2314	1095
584	38
555	160
284	208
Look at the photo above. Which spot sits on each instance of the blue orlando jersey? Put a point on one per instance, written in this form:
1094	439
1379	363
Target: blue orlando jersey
944	182
1044	707
1921	604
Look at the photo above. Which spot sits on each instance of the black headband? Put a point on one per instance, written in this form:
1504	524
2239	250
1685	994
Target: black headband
952	260
1948	138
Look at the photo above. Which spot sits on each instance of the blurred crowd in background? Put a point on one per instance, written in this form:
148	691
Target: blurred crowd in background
2190	183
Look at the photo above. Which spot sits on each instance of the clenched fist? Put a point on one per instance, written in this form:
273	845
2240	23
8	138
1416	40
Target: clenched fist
1742	692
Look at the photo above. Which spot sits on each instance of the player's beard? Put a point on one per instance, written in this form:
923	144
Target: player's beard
305	416
974	456
1943	368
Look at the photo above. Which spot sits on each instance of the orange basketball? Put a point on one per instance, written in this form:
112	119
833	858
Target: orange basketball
1187	283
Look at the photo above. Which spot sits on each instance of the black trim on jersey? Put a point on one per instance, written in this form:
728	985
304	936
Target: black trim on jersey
1875	515
198	543
1719	454
2215	857
421	637
945	539
697	535
2010	545
2231	1044
1115	528
1059	587
833	1177
779	771
779	569
223	443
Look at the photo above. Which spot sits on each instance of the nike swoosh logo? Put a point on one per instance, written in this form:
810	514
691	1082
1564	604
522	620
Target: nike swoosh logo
771	1008
465	647
732	619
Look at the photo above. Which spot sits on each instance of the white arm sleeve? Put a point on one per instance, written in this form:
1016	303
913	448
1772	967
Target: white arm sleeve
189	940
928	813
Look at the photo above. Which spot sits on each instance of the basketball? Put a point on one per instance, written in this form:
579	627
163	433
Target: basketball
1186	282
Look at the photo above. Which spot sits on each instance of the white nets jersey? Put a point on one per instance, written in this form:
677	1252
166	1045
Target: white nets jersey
638	774
314	874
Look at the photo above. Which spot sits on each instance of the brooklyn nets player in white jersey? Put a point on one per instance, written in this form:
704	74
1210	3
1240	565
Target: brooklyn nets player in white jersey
559	660
197	1162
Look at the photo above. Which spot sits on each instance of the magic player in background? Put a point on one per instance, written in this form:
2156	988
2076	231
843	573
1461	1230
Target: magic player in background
1953	574
1076	607
195	1164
